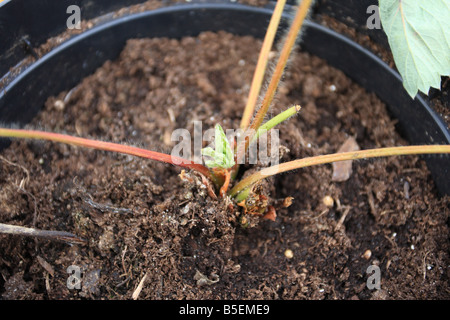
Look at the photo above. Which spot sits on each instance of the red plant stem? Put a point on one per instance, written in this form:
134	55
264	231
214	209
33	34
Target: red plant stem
105	146
224	188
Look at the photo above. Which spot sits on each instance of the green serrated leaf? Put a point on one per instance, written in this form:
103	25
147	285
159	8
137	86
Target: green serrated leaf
418	34
222	156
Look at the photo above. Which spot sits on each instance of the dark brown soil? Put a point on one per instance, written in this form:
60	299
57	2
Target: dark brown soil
141	221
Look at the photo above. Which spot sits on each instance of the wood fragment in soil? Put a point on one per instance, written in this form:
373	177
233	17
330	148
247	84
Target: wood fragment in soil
47	283
343	169
46	234
46	265
371	200
204	280
342	219
287	202
138	290
105	207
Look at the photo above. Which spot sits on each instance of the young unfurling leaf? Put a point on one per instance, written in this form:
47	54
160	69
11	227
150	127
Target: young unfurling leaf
223	155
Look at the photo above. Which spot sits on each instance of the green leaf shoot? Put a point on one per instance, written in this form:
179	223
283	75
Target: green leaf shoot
223	155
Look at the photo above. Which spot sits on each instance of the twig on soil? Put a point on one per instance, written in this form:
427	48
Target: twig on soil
322	213
342	219
47	283
371	201
123	259
46	265
46	234
104	207
138	290
345	210
425	265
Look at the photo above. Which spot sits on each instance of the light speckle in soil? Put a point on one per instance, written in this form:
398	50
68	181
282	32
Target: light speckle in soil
141	219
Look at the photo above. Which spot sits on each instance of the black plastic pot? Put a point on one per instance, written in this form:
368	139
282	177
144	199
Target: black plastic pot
66	65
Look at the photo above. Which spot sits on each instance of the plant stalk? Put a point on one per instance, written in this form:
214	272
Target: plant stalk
283	116
261	65
294	30
105	146
282	61
324	159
